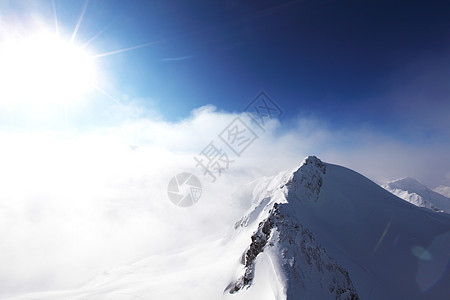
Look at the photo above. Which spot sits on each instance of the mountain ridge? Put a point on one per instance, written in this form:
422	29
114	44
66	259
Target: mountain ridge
319	231
282	237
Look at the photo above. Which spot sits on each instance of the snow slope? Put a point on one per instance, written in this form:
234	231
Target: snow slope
319	232
418	194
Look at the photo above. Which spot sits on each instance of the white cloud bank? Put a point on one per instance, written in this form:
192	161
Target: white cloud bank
73	205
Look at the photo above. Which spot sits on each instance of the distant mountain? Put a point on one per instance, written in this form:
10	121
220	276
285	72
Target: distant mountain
320	231
418	194
443	190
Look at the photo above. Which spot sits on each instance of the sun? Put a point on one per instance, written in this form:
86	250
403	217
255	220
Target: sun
42	68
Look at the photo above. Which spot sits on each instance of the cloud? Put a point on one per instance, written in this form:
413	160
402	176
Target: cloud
87	201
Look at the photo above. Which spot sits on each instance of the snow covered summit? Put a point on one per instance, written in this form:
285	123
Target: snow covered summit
418	194
282	249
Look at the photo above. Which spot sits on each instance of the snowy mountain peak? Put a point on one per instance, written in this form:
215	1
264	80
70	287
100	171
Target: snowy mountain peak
307	180
407	183
443	190
411	190
301	261
312	160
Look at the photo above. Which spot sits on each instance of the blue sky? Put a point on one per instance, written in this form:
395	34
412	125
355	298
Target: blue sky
377	66
343	61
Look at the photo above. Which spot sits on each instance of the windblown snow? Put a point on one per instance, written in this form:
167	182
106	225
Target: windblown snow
320	231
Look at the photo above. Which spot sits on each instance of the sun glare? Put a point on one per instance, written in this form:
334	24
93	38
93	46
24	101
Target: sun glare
44	68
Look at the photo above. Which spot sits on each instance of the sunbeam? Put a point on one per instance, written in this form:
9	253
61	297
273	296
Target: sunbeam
124	50
108	95
96	36
80	19
55	18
